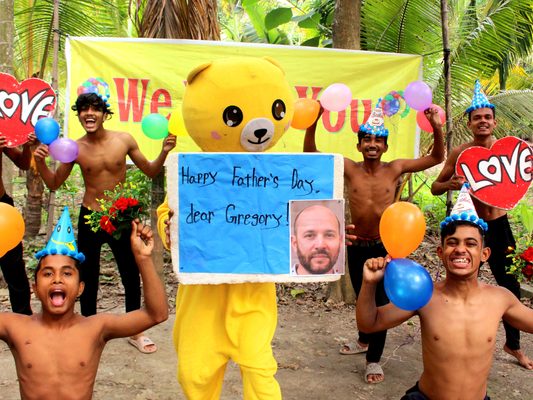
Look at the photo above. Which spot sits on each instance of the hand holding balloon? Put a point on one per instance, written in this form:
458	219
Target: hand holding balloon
374	269
64	150
433	116
408	285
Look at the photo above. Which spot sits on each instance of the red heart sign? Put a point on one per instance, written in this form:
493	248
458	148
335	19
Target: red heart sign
501	176
21	105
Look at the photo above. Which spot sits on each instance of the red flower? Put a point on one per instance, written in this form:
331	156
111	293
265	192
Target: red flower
132	202
527	255
113	212
121	204
106	225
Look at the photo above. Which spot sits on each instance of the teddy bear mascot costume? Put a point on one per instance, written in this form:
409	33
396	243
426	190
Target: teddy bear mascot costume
239	104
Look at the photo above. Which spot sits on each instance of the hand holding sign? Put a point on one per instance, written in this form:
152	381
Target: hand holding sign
499	176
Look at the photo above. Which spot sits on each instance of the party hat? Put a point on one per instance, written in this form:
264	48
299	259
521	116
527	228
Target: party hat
479	100
375	125
464	210
62	240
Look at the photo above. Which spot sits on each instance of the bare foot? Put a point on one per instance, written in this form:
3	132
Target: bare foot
375	378
520	356
149	348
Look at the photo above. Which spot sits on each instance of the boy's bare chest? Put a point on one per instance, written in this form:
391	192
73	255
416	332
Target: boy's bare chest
99	159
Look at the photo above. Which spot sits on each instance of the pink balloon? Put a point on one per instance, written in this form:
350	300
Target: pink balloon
418	95
336	97
423	122
64	150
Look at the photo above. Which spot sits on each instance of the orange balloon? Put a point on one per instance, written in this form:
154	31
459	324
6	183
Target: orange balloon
11	227
402	228
305	113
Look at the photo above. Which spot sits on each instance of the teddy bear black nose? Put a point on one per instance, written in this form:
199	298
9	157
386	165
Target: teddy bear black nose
259	133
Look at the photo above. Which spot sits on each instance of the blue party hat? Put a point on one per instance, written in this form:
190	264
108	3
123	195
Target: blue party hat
62	240
479	100
375	125
464	210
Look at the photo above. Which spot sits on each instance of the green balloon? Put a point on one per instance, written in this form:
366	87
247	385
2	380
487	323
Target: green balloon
400	92
389	97
100	80
155	126
87	84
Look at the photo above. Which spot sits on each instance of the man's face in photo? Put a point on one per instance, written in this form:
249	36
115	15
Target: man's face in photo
317	240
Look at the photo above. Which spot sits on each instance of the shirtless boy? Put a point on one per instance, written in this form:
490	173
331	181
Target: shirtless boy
459	323
482	121
102	159
371	187
57	351
12	263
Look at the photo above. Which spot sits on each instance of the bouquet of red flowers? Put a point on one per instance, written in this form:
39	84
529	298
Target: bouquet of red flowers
122	206
522	257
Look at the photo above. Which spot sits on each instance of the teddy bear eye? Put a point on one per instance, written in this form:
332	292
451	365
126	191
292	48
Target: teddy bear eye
278	110
232	116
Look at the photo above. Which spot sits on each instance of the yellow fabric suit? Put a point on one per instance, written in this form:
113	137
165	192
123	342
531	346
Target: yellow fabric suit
215	323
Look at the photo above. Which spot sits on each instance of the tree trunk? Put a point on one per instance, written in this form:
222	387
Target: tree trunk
346	34
32	211
158	196
6	65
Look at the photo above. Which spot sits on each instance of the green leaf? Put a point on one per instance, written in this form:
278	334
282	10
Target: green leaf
246	3
313	42
277	17
296	292
311	22
527	218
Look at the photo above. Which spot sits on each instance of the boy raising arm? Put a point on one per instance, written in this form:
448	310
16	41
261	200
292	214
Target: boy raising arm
57	351
460	322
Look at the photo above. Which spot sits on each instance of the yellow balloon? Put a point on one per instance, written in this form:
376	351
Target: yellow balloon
11	227
176	126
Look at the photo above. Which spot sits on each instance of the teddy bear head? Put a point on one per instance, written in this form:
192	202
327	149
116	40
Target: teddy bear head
237	104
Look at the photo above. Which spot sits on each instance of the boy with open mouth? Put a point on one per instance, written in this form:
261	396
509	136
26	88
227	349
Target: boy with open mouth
57	351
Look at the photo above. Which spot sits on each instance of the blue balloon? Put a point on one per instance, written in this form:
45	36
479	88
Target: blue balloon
46	130
407	284
394	106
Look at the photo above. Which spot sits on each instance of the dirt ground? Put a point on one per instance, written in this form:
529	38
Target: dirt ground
306	346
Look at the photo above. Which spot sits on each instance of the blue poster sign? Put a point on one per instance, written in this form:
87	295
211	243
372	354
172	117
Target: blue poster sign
234	208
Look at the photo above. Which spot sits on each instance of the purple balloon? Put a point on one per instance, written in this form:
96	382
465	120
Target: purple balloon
386	109
64	150
418	96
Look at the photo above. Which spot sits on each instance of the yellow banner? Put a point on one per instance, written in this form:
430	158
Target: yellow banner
146	76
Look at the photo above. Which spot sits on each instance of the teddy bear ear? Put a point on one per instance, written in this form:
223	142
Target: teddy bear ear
272	61
196	71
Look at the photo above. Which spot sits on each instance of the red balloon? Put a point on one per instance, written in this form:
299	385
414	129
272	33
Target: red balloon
423	122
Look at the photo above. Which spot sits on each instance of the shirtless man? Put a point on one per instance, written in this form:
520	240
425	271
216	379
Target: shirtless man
460	322
12	263
371	187
481	122
57	351
102	159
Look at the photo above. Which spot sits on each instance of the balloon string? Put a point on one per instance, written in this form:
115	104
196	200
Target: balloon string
416	333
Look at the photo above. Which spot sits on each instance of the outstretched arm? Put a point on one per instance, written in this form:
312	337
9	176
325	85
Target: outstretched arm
155	310
150	168
437	153
517	315
309	139
52	179
448	179
371	318
22	159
